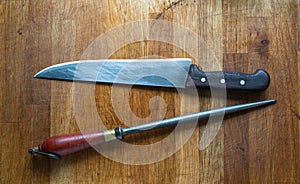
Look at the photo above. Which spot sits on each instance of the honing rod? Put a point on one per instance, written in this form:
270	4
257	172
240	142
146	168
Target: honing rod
57	146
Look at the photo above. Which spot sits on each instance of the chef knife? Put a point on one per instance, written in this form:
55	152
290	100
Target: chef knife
175	72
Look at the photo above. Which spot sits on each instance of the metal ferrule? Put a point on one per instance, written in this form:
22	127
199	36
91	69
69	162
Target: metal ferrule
119	133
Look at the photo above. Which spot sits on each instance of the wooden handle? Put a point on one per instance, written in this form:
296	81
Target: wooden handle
230	80
66	144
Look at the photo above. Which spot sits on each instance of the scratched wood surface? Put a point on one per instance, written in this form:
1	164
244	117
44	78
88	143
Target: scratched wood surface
259	146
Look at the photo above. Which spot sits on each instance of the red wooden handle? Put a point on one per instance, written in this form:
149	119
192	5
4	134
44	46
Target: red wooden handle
66	144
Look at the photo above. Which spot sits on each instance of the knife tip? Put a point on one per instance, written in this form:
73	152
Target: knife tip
35	76
39	74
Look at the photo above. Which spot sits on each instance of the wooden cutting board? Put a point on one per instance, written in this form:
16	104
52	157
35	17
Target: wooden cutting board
257	146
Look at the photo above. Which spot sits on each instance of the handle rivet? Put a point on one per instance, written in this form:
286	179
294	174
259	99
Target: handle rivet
242	82
203	79
222	81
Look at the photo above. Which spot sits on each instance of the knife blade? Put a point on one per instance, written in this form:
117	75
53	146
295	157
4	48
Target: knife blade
175	73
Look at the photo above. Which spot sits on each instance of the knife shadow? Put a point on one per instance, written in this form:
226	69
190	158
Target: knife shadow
206	93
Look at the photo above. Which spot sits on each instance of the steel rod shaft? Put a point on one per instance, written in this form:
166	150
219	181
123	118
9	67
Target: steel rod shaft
192	117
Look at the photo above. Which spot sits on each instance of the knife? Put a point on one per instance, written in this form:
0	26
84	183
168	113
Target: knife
175	73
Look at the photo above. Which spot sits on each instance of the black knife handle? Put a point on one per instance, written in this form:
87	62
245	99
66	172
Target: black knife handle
257	81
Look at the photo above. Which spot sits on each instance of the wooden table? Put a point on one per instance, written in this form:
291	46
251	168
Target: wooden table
257	146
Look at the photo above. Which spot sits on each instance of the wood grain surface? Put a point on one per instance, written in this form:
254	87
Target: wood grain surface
257	146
